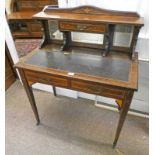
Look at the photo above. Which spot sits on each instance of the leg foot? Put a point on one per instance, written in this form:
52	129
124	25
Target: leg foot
114	145
38	123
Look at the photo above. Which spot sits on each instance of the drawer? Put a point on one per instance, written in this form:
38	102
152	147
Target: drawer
34	26
101	90
46	79
34	4
94	28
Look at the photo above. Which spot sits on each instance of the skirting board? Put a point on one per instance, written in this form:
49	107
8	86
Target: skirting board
112	108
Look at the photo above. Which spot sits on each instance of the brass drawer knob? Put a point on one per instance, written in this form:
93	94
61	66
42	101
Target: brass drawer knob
81	27
45	79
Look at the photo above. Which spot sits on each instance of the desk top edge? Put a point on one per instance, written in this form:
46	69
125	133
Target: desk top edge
131	84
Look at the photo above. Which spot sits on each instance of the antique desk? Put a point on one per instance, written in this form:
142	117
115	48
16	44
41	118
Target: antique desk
20	20
82	69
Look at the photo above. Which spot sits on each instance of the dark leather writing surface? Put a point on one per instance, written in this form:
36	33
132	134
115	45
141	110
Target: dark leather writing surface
116	69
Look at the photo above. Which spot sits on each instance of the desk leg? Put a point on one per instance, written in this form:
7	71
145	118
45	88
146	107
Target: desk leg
54	91
123	113
30	95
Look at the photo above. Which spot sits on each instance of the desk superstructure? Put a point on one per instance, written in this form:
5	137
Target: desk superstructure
90	19
110	74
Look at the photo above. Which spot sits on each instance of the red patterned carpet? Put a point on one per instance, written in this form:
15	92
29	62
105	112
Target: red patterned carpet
24	46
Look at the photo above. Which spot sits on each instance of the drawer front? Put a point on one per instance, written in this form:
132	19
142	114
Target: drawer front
34	4
65	26
46	79
34	26
106	91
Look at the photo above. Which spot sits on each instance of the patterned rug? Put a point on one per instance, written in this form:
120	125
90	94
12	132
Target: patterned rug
24	46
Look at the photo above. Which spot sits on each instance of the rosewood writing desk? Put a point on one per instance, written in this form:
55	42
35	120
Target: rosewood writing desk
105	76
80	69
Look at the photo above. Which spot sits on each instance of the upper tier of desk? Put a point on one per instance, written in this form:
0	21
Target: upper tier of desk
90	14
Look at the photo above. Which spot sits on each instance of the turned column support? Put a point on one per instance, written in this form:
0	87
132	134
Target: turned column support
108	39
134	41
66	40
46	33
